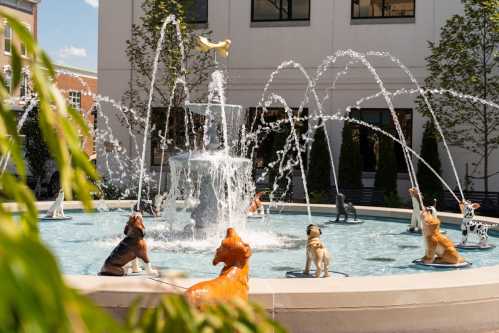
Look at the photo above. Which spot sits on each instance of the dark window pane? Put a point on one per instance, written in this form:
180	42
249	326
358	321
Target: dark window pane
196	11
277	10
266	10
367	8
399	8
301	9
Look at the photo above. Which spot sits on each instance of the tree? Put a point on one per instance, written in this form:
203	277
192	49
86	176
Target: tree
319	167
386	173
465	60
431	187
350	166
141	50
36	151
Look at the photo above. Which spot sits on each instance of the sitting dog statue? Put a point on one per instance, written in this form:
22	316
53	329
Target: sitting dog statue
316	252
342	210
470	225
256	205
439	249
56	210
233	279
146	208
416	223
131	247
158	203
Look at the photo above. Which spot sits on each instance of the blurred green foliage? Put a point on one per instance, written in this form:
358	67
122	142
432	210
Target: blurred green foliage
33	295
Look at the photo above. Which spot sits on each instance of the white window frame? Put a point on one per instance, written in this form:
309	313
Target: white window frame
74	99
22	46
8	28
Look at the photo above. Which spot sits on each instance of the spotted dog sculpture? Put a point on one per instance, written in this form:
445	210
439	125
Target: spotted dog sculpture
342	210
131	247
439	249
470	225
233	279
316	252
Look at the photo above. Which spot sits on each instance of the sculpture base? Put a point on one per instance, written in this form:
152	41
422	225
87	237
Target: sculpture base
420	262
474	246
301	275
61	218
345	222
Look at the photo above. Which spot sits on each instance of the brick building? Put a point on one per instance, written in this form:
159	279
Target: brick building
79	86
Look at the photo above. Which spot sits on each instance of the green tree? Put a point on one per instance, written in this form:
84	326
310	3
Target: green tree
386	173
350	166
430	186
319	166
466	60
141	50
36	151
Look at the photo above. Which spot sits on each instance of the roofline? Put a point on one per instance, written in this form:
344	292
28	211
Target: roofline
81	71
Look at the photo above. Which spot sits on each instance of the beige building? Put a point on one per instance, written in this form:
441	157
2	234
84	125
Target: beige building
25	11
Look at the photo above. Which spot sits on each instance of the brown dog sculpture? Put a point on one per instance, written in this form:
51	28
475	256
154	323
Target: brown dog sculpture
233	279
256	204
131	247
439	249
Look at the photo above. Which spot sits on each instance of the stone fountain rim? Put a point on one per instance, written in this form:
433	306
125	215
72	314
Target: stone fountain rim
316	305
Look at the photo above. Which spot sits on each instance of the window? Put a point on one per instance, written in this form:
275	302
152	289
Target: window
196	11
75	99
383	8
176	132
24	51
369	139
7	75
7	39
24	88
280	10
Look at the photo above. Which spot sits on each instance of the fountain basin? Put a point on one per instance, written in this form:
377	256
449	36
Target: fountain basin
425	302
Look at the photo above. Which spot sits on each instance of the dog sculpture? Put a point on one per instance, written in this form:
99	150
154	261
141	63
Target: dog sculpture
56	210
233	279
256	205
158	203
316	252
439	249
416	223
342	210
131	247
470	225
147	208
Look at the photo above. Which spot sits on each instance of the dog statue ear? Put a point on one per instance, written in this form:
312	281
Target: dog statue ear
475	205
126	230
320	231
308	228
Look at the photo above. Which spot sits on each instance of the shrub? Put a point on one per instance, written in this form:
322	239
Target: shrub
430	186
319	166
350	166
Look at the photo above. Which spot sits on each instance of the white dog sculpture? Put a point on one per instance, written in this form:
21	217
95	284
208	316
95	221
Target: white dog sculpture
56	210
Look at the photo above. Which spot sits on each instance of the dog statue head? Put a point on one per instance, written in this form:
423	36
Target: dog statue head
415	193
468	209
313	230
340	199
135	226
233	251
433	209
431	223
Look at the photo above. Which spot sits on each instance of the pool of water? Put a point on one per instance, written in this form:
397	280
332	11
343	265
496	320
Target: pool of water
377	247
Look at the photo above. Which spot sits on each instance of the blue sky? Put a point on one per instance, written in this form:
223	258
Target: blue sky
67	30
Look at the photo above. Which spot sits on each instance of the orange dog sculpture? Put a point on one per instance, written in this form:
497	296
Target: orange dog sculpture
233	280
256	203
439	249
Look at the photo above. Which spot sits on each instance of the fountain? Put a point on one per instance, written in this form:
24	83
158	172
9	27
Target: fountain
224	181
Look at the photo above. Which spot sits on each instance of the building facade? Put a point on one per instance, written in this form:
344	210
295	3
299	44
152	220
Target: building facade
79	86
265	33
26	11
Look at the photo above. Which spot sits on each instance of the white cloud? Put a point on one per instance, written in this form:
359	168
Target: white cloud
72	51
93	3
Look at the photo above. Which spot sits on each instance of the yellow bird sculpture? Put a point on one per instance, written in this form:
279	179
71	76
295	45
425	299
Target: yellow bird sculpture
204	45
